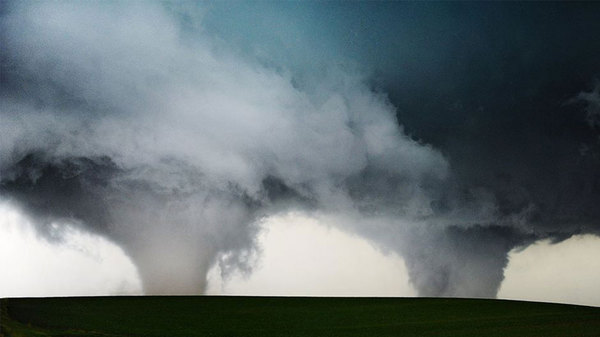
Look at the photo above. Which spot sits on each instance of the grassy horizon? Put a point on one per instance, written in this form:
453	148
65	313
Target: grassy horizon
291	316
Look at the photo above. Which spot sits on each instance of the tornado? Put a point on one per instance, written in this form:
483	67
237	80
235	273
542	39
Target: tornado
174	129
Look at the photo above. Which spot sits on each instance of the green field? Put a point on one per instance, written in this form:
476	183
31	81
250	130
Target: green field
287	316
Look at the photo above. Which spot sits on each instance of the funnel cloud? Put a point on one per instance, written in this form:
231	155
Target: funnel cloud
449	134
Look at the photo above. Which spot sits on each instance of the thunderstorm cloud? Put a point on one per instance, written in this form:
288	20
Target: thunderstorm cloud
449	134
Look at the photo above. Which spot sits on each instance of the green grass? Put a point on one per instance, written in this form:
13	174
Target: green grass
268	316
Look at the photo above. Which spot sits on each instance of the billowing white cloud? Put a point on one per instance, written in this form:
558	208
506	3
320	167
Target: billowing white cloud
190	130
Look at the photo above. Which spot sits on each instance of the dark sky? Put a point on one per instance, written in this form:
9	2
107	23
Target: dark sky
493	85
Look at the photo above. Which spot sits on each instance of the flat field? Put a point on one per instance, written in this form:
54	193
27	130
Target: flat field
291	316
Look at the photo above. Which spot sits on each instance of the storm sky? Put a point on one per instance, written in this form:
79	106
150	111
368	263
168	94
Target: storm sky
447	136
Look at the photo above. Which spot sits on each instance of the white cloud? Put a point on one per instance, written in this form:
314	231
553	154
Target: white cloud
194	128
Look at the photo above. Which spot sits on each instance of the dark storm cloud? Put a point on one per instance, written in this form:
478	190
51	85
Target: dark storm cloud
450	133
172	143
507	91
